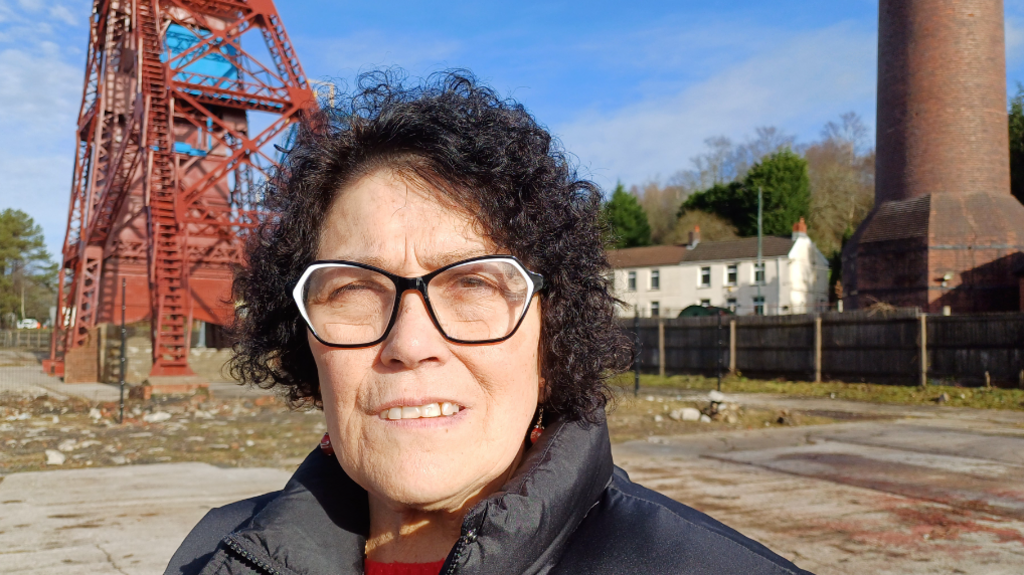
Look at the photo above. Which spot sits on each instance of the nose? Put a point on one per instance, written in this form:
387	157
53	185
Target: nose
414	340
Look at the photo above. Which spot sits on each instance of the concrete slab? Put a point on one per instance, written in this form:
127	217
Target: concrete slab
911	495
30	380
964	482
832	528
126	520
824	405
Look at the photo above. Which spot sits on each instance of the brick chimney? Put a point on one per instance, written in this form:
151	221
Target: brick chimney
942	187
800	229
694	237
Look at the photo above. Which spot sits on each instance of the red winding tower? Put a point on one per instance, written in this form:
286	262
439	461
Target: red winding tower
945	230
168	165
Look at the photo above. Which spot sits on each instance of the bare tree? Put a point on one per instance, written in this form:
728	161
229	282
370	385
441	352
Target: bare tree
723	161
713	228
661	204
841	167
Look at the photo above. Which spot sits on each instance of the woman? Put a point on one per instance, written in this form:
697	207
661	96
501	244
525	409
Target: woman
434	282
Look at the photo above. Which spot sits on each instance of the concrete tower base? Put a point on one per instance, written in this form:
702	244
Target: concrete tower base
944	249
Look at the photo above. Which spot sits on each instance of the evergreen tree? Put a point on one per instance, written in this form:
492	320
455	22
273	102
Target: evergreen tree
626	220
787	192
25	269
783	178
1017	144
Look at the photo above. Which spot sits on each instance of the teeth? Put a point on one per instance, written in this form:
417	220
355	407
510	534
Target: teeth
415	412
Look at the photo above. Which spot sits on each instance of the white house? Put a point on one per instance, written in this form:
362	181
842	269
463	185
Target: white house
660	281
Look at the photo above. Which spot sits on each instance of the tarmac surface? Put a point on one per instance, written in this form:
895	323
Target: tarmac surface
893	489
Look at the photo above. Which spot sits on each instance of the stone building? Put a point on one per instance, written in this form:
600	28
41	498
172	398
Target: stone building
945	230
660	281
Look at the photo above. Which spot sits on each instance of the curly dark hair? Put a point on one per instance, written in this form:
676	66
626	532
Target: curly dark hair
482	153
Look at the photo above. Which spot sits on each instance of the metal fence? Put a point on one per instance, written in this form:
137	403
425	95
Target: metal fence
902	346
30	339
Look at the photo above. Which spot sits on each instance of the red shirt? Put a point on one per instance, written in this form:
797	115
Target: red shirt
375	568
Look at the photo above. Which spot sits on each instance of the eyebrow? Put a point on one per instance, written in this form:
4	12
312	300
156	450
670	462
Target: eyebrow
431	263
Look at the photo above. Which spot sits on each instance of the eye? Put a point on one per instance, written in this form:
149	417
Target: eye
474	282
355	288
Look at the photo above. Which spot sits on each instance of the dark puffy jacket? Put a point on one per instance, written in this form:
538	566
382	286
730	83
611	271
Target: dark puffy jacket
566	510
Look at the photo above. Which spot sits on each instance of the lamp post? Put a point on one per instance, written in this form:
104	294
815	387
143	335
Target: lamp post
636	362
760	246
124	345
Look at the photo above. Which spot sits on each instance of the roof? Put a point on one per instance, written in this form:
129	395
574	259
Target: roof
647	256
741	249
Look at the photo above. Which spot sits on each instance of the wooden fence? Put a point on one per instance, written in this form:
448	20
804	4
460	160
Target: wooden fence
32	339
853	346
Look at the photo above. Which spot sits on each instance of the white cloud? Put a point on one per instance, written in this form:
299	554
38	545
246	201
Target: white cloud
40	90
1014	40
40	93
62	14
31	5
40	185
796	85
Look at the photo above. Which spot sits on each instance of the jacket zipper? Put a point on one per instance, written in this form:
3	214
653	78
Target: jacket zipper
460	545
251	558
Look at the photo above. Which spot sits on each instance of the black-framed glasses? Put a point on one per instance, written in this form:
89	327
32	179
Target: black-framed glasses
479	300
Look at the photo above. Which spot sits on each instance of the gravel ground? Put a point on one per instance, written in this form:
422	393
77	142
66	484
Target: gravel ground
40	432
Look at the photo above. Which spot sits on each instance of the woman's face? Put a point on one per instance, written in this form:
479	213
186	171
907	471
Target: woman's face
429	463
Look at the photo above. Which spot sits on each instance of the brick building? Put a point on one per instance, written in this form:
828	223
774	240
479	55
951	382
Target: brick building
945	230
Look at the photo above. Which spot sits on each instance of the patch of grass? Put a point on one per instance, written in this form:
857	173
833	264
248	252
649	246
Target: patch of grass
976	397
637	418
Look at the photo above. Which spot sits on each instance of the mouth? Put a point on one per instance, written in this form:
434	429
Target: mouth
426	411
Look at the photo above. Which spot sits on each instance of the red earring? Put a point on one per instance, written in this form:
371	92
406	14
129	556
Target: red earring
538	428
325	445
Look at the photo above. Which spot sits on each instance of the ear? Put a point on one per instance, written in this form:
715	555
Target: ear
542	395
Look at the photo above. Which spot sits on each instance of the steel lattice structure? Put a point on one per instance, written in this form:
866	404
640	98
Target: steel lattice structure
166	175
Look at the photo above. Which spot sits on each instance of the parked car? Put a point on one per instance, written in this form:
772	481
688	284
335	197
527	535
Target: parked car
28	323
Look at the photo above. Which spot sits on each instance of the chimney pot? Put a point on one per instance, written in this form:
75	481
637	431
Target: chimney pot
799	229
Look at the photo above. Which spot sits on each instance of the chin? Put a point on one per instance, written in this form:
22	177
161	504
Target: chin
432	487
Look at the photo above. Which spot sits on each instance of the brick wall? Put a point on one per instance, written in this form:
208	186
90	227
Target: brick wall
942	123
81	364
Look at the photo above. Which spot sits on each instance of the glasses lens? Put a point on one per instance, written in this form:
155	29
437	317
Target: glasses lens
348	305
479	301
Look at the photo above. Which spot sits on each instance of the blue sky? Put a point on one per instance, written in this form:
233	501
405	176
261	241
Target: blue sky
631	88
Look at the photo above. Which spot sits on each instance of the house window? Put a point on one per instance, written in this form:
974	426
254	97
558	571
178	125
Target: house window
705	277
631	282
731	304
731	274
705	303
655	279
759	273
655	309
759	305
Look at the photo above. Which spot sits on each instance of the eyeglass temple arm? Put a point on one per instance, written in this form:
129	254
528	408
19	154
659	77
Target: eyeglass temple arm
538	281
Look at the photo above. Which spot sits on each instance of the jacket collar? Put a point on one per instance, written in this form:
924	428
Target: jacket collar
318	524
